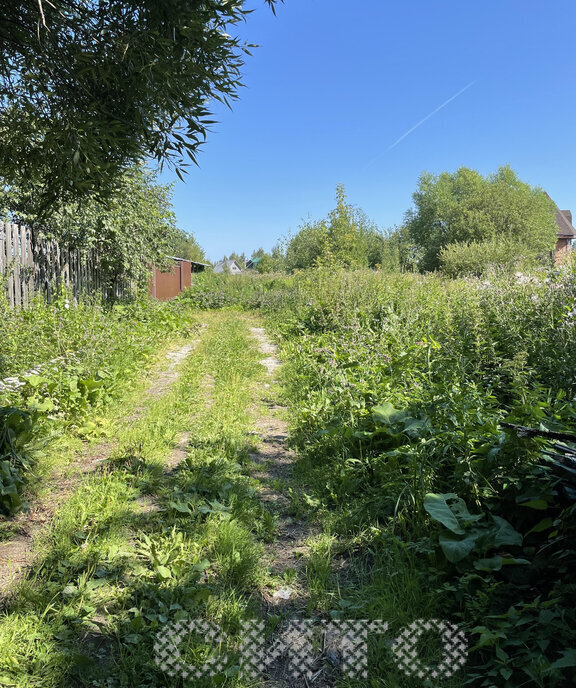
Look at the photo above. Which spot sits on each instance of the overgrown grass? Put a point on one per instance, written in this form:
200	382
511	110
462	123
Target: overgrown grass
63	366
398	387
137	546
426	505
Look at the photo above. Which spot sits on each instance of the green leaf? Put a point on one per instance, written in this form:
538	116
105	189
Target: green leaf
201	565
456	550
544	524
497	562
182	507
490	564
506	534
35	380
386	413
460	510
538	504
437	506
568	659
163	572
42	405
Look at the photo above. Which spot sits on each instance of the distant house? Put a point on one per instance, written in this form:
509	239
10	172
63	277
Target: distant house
229	266
166	285
566	235
252	264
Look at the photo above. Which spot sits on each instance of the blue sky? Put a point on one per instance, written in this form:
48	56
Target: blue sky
335	83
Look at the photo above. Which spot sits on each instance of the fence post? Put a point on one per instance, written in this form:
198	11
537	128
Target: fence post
11	262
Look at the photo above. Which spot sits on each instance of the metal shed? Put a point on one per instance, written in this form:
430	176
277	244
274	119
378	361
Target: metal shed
166	285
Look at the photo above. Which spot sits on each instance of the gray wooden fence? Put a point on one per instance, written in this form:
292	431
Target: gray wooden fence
31	264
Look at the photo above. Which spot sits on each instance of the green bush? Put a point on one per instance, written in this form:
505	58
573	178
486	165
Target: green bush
477	258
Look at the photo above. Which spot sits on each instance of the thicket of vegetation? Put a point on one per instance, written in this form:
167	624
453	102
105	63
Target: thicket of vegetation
61	364
345	238
133	229
461	224
464	222
398	388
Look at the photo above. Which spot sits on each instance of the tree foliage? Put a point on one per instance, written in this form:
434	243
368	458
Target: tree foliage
345	238
186	246
132	229
89	87
465	207
270	262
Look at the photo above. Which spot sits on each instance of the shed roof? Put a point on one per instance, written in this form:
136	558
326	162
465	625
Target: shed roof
194	262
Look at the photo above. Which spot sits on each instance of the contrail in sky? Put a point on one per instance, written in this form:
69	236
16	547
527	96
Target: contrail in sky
431	114
421	122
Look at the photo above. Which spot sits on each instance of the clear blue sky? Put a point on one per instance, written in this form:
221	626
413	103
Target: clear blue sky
336	83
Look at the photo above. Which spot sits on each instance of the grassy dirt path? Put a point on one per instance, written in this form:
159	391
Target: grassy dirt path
273	465
194	514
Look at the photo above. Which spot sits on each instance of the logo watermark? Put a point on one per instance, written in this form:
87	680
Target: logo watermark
296	642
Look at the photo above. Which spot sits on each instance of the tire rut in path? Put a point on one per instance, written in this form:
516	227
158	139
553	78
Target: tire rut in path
17	554
272	465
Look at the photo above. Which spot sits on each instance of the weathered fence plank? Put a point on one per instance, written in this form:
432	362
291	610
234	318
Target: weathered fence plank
33	264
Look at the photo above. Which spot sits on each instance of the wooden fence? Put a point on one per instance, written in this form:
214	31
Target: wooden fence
31	264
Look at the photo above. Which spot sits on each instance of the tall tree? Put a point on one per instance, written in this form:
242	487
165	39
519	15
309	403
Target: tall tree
345	238
186	246
89	87
269	262
465	207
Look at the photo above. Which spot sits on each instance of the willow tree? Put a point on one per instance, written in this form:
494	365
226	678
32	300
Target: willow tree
90	87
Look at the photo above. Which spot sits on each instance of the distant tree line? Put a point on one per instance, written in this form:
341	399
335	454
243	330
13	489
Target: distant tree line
462	223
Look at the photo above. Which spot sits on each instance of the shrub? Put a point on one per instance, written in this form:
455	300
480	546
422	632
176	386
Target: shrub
477	258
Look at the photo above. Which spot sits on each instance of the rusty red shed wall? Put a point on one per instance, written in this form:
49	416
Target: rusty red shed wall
186	268
167	285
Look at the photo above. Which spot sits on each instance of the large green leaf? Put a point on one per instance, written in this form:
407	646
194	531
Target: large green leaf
497	562
437	506
506	534
568	659
455	550
386	413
